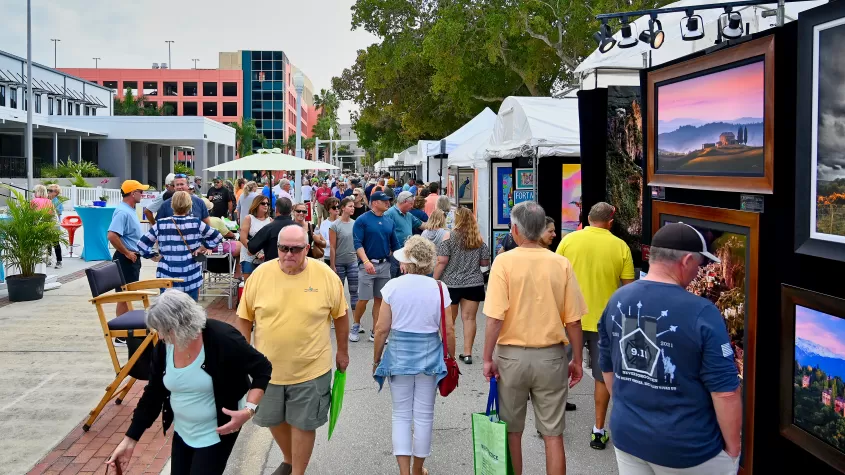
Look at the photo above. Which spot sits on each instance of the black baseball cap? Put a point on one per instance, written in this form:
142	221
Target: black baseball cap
682	237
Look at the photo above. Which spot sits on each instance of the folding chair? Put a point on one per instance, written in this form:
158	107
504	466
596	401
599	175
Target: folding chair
219	277
103	281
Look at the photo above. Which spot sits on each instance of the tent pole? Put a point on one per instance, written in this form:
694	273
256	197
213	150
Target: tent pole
534	182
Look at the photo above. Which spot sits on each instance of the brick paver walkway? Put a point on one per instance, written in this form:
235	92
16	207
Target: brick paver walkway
86	452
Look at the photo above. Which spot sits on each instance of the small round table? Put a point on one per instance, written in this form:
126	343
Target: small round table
95	224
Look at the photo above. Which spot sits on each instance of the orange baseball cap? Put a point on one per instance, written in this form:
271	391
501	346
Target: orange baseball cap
129	186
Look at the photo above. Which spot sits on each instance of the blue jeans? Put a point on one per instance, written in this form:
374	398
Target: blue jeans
194	294
350	273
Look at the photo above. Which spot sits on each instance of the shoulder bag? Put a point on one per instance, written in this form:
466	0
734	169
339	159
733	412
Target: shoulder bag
317	252
450	382
197	257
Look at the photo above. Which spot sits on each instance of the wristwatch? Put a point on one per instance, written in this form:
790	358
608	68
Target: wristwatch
251	408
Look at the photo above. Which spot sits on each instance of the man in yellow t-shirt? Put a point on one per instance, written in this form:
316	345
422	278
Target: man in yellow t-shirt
601	262
290	302
532	293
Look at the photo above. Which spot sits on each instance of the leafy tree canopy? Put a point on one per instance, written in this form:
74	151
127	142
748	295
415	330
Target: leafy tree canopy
440	62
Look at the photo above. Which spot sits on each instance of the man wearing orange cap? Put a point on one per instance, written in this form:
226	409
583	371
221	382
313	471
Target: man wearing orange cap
124	234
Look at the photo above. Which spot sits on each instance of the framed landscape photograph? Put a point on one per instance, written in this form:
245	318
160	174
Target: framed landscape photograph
812	412
710	121
503	191
820	160
524	178
570	203
733	237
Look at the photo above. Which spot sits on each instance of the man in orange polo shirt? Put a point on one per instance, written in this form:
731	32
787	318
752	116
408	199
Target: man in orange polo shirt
431	199
532	294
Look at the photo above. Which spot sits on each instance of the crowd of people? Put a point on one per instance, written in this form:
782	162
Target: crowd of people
422	261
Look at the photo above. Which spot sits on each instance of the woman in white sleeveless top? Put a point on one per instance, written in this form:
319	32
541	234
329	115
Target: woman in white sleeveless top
258	217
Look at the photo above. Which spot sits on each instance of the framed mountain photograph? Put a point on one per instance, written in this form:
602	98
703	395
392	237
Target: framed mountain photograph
710	121
732	236
812	411
820	134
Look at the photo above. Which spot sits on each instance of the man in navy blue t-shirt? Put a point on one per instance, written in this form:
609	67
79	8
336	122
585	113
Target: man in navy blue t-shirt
198	208
669	365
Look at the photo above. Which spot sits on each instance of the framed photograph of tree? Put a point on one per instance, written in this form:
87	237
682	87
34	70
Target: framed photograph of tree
820	134
710	121
812	384
733	236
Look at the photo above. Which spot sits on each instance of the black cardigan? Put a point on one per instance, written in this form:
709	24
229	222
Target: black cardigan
229	360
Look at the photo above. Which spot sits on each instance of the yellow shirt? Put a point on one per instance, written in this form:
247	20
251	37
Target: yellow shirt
600	261
535	292
291	315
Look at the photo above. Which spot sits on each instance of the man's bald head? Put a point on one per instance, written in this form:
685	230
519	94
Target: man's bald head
292	235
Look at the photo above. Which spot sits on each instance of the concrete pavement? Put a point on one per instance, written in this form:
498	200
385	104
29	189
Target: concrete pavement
362	444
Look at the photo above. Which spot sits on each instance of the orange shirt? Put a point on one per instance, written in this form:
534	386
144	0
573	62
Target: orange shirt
535	293
431	203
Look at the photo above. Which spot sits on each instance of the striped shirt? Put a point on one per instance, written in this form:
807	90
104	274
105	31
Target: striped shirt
177	261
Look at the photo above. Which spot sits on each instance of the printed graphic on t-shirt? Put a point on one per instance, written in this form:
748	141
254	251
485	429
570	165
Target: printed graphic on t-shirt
644	348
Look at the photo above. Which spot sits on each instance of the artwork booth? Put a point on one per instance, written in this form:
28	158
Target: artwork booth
744	141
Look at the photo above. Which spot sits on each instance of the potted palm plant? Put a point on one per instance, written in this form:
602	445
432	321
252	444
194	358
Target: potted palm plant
26	233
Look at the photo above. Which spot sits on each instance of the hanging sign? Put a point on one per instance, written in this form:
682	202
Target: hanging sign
402	168
520	196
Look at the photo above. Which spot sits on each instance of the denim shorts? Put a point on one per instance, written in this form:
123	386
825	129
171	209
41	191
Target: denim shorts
247	267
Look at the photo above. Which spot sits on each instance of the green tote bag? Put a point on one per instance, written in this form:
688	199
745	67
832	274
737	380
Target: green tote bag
490	438
338	386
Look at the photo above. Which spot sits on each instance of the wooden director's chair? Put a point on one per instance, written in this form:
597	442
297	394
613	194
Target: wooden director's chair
104	282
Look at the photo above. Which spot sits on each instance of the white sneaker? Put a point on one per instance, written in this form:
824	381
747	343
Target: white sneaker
353	332
372	336
58	265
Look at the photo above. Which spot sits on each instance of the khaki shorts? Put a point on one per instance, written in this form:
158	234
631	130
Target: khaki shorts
304	405
541	372
721	464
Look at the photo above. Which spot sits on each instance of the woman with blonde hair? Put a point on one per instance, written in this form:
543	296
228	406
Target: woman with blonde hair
459	263
258	217
240	184
435	228
413	362
445	204
183	242
246	200
360	202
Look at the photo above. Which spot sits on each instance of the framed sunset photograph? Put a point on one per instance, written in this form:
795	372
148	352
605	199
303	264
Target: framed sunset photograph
710	120
812	411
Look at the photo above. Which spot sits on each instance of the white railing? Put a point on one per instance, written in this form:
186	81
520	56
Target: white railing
85	196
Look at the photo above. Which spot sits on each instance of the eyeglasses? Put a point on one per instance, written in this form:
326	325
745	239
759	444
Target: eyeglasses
356	194
301	211
180	175
290	249
266	203
335	207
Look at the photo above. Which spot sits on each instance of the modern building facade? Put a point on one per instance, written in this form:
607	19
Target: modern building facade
269	93
212	93
73	120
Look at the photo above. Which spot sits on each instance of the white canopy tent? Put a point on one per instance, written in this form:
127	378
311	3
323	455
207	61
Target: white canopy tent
547	123
471	153
483	121
620	66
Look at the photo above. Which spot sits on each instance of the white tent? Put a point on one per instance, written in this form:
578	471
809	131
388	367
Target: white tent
483	121
409	155
597	70
471	153
547	123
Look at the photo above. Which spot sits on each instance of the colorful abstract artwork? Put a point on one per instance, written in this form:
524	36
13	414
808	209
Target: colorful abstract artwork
503	190
524	179
498	241
713	124
570	203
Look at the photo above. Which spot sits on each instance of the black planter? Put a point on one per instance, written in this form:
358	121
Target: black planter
22	289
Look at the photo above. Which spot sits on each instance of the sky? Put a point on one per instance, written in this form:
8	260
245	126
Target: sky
722	96
831	129
820	328
315	34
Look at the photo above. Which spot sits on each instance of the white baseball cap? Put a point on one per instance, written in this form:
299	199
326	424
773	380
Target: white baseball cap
168	180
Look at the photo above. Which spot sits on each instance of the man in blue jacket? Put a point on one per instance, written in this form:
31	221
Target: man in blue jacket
405	223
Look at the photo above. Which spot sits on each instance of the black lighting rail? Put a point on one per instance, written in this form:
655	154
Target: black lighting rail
706	6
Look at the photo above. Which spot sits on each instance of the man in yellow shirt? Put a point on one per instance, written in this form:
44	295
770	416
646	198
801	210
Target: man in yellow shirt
290	301
532	293
601	262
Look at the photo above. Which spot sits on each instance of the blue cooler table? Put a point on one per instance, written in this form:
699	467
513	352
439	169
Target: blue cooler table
95	243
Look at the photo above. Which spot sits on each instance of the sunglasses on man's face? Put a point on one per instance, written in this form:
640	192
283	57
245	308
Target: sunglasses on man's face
290	249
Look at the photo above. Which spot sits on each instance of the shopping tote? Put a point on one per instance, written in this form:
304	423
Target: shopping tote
338	386
490	438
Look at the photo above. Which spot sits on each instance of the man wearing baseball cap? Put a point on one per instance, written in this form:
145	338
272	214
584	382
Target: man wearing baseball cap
222	199
669	366
124	234
375	240
156	204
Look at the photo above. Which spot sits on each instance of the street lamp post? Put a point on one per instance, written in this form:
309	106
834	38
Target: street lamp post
96	62
331	141
169	59
55	50
29	103
299	85
195	62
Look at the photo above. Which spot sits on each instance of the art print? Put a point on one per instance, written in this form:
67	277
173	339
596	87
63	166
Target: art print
570	204
524	178
503	195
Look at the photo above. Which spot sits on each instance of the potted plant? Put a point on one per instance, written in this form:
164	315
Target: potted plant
26	234
102	202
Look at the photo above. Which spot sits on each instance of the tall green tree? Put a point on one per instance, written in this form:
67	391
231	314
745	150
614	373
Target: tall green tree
245	135
132	105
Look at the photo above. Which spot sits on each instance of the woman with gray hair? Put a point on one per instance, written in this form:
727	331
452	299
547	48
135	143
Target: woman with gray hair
445	204
201	370
413	362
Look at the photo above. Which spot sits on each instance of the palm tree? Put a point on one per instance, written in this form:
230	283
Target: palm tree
328	103
131	105
245	134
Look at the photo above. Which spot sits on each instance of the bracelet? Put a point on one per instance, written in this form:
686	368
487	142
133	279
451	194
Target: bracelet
366	262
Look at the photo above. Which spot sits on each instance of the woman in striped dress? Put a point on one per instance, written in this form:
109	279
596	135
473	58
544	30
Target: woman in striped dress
180	238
